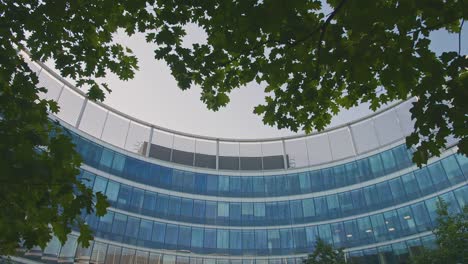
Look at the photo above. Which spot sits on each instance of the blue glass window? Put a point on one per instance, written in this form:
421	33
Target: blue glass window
463	162
222	240
120	222
173	207
106	160
299	238
223	209
311	236
118	164
105	222
235	238
212	184
185	236
286	238
452	169
223	183
340	175
325	233
100	185
248	240
246	184
112	191
424	181
146	229
338	234
321	207
385	194
258	186
235	212
159	232
461	195
211	210
149	202
304	182
261	239
274	239
133	225
270	186
397	190
199	209
365	230
438	175
376	165
210	238
172	233
410	185
406	217
296	210
197	237
161	204
125	195
389	162
235	184
186	208
421	217
137	199
333	205
308	207
247	212
259	211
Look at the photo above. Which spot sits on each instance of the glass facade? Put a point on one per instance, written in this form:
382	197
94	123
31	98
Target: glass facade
181	199
376	199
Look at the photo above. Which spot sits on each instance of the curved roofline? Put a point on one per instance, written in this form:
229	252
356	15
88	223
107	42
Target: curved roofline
196	136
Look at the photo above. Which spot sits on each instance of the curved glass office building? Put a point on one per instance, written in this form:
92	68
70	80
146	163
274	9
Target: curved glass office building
181	198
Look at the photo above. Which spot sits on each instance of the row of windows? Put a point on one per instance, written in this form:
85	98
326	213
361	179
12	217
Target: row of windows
435	177
392	224
99	252
242	186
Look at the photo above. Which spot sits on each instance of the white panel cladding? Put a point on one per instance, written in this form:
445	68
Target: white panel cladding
229	149
184	143
296	151
136	137
207	147
53	86
365	137
404	116
70	104
93	119
250	149
274	148
341	143
162	138
319	149
115	130
387	127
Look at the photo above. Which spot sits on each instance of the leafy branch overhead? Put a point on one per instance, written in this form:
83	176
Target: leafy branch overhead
313	63
312	57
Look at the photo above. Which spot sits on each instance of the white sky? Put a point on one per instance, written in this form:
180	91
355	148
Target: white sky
153	96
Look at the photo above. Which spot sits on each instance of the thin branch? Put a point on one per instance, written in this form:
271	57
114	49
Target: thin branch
322	34
460	37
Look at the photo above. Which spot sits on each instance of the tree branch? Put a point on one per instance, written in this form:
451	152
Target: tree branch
323	29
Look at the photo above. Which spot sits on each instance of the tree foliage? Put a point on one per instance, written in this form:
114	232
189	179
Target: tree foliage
311	62
451	238
325	254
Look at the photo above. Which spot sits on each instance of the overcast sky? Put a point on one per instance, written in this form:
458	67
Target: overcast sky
153	96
